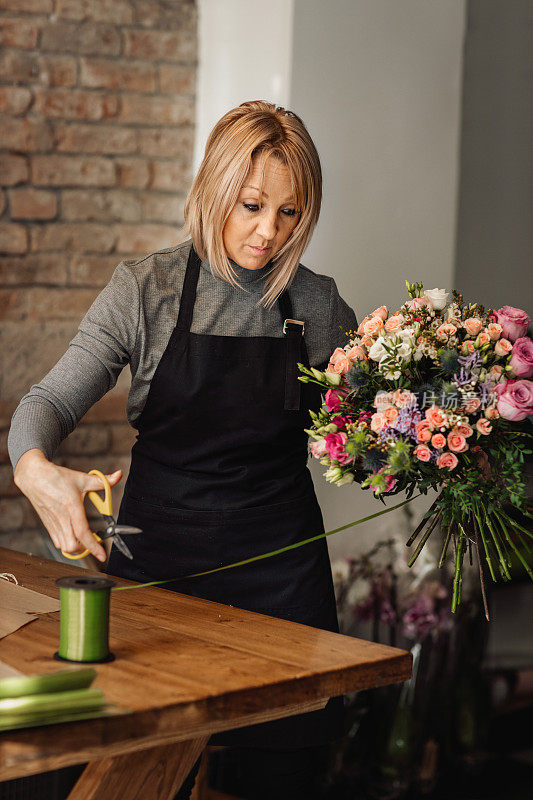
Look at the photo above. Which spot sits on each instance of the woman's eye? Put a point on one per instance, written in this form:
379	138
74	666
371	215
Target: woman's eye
251	206
289	212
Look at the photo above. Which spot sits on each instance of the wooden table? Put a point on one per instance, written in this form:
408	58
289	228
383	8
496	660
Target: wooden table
184	669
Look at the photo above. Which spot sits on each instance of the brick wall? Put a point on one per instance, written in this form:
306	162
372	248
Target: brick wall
96	137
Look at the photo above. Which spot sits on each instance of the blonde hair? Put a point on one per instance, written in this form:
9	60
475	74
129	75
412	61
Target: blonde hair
254	128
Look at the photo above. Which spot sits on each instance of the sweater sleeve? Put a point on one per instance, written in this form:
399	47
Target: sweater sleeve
89	368
342	318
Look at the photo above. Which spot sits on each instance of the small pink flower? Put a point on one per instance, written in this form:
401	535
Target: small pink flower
457	442
496	371
503	347
381	312
318	448
361	328
378	422
445	331
471	405
419	302
438	441
422	452
491	413
367	341
482	339
373	325
335	443
473	326
484	426
514	322
522	358
341	422
391	415
402	398
435	416
468	347
423	430
494	329
333	398
393	324
447	461
339	362
464	429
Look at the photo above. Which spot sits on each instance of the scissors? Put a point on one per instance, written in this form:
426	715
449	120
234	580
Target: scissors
105	507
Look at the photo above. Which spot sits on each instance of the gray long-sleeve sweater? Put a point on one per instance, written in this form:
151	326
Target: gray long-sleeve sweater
131	321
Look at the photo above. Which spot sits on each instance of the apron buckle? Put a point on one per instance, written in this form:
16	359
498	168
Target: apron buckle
293	322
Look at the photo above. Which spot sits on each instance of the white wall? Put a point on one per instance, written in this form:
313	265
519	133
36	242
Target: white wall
377	83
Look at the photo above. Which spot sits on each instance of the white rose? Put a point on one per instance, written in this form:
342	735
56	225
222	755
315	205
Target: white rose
377	351
438	297
404	351
346	478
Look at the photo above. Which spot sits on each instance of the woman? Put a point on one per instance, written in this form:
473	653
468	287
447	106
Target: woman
218	473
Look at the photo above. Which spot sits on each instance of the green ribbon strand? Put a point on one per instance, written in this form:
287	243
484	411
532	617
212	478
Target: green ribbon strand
271	553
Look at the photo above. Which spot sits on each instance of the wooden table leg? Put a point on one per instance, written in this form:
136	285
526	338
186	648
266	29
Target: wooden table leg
154	774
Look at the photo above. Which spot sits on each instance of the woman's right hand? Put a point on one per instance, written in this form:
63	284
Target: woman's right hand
57	495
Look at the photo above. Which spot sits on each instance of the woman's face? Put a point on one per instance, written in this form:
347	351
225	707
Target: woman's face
253	234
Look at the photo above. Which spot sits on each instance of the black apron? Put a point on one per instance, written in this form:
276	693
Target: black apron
219	474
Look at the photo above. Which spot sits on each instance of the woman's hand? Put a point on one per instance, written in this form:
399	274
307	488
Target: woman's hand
57	495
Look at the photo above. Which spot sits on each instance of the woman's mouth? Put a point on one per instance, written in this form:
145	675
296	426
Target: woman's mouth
259	251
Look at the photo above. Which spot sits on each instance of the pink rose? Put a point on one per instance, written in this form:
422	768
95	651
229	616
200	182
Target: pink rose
318	448
445	331
423	430
473	326
361	328
447	461
482	339
435	416
464	429
484	426
333	399
335	443
394	324
522	358
496	371
503	347
422	452
339	362
491	413
494	329
457	442
402	398
438	441
356	352
471	405
391	415
468	347
341	422
514	322
515	401
419	302
373	325
378	422
381	312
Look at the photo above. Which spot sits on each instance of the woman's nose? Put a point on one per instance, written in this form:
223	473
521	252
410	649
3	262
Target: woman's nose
267	225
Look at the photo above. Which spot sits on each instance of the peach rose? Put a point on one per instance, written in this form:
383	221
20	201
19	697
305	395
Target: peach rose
457	442
372	326
468	347
435	416
391	415
394	324
482	339
447	461
378	422
503	347
339	362
361	327
496	371
382	400
424	430
494	329
473	326
464	429
367	341
445	331
471	405
484	426
438	441
381	312
355	353
422	452
402	398
492	412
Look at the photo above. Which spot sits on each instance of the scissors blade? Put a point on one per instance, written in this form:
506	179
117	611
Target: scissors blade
125	530
122	546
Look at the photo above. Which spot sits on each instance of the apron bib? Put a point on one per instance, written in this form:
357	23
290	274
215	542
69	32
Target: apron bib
219	474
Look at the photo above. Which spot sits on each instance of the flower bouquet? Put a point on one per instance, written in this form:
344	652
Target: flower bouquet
435	396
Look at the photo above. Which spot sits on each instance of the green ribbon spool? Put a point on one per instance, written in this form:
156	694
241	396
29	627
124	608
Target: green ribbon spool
84	619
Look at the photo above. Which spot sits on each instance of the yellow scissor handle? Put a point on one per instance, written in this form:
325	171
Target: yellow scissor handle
104	506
